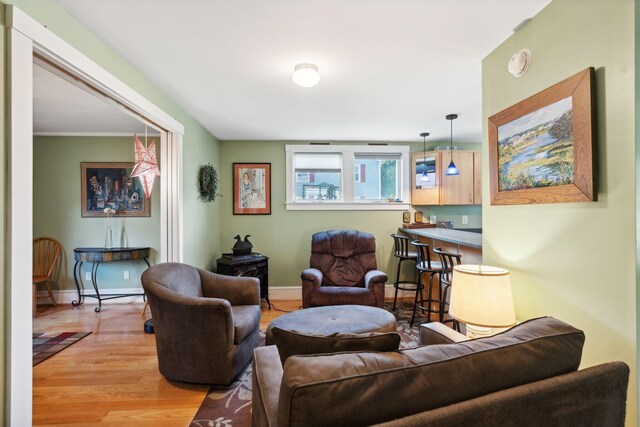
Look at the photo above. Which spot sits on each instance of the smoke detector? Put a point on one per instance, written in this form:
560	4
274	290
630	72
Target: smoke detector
519	63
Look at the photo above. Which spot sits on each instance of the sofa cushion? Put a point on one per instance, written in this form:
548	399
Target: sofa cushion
291	343
347	388
246	320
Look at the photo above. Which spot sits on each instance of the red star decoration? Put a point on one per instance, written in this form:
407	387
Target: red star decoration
146	165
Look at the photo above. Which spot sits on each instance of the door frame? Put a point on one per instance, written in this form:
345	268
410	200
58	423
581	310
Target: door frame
26	38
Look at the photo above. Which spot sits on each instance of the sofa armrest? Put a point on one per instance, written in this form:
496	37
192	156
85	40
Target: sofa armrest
236	290
267	376
438	333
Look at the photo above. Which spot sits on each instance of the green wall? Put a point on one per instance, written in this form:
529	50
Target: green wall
57	206
285	236
3	212
574	261
637	157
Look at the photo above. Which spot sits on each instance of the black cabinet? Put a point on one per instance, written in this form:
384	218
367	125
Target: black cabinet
252	265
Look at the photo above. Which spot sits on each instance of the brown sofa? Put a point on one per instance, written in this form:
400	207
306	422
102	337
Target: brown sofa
526	376
206	324
343	270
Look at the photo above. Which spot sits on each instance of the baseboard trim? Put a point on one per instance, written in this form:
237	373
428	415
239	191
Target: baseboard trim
66	296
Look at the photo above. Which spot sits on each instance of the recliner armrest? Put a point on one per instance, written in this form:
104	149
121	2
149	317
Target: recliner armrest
313	276
375	276
437	333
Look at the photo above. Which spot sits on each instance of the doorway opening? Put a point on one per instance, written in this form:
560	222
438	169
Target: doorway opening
29	41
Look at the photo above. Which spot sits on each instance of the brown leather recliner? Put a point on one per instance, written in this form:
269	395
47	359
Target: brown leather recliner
206	324
343	270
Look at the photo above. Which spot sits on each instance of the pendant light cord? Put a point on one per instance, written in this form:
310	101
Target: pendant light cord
451	141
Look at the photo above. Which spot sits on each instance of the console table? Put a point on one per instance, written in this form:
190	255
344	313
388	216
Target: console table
251	265
96	256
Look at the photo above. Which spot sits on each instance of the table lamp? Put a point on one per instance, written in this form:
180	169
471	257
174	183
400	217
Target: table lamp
481	298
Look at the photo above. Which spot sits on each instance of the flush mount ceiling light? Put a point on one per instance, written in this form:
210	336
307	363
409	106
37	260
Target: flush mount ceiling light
306	75
519	63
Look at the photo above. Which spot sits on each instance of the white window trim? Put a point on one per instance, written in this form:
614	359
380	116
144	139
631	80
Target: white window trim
348	184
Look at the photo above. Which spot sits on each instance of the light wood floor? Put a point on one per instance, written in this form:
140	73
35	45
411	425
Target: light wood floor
111	377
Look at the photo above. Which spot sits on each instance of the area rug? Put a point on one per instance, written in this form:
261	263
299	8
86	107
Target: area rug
230	406
46	345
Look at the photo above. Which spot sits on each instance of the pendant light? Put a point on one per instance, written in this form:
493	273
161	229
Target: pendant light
425	176
452	169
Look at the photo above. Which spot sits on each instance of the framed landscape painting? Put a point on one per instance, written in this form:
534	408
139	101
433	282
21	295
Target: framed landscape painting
110	185
252	188
541	150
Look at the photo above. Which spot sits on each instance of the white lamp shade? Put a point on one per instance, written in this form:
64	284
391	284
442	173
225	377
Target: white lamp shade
306	75
481	295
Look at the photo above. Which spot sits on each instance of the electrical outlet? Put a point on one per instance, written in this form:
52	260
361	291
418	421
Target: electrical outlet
87	275
465	219
126	275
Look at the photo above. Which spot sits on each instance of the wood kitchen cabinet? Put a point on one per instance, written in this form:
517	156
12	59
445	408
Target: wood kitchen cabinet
442	189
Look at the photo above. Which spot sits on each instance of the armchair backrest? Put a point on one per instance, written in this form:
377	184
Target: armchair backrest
180	278
343	256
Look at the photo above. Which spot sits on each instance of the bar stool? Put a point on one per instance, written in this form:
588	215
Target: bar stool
401	251
425	265
448	261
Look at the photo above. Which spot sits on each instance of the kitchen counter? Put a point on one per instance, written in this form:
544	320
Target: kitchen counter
458	237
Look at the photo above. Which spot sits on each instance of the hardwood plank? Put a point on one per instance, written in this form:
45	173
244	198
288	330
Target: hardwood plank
111	377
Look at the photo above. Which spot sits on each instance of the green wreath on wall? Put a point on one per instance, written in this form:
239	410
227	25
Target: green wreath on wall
208	183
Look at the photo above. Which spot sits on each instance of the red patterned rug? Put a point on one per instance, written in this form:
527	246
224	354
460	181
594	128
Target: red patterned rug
230	406
46	345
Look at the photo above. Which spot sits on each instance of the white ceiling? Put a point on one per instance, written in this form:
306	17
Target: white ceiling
390	69
62	108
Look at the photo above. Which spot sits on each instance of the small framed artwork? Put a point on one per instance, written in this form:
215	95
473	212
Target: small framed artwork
406	217
252	188
541	150
110	185
417	217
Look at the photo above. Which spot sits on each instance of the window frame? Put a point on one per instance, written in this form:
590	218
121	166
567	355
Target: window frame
349	202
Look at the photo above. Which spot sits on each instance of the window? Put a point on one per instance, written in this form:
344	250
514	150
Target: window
377	177
346	177
326	170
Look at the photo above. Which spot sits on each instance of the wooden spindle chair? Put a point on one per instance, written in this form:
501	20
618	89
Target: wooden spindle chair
46	253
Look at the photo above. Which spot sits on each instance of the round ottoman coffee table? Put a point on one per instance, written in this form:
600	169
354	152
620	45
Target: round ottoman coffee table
333	328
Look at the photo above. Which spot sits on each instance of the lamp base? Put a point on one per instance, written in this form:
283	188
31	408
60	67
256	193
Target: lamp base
474	332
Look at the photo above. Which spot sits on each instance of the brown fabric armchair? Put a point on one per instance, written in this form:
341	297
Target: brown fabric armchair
206	324
343	270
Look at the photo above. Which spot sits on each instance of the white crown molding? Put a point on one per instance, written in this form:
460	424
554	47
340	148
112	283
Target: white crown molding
93	134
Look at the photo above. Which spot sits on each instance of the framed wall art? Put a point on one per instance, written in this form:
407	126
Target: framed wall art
541	150
252	188
110	185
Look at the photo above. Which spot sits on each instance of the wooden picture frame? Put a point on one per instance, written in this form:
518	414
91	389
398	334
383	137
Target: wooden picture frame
252	188
110	185
541	150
